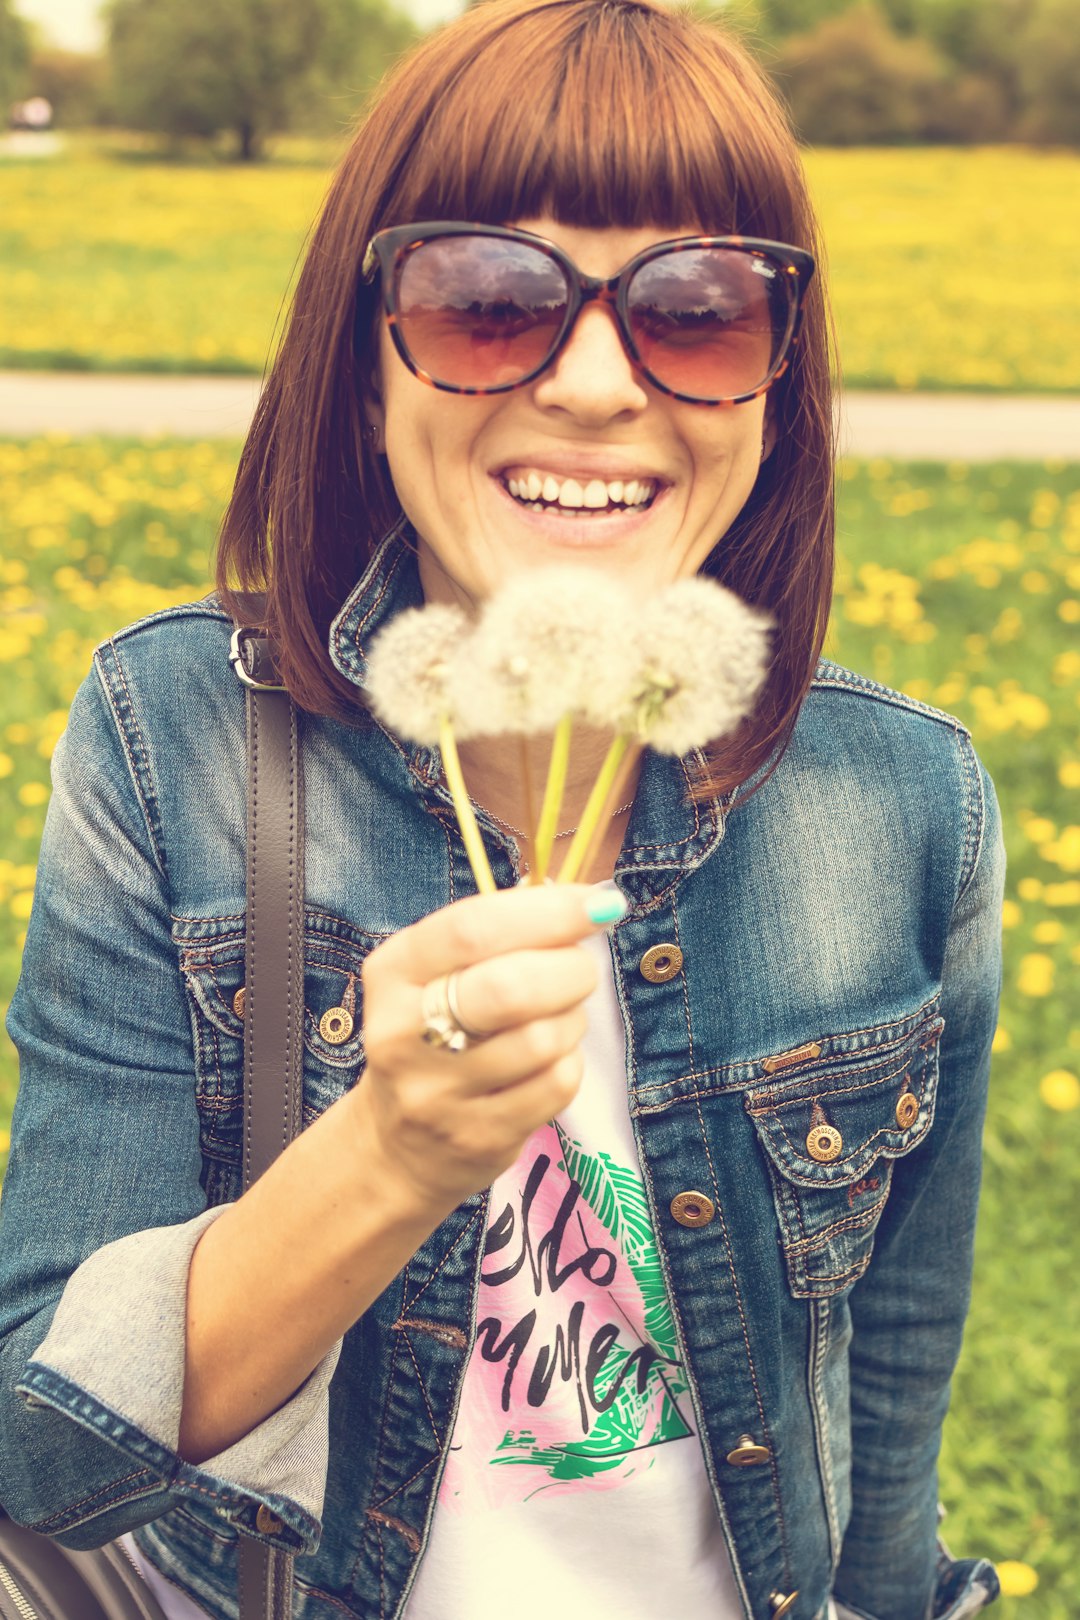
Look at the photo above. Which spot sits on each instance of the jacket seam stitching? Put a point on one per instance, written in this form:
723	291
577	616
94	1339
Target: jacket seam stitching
127	744
820	1318
766	1432
975	812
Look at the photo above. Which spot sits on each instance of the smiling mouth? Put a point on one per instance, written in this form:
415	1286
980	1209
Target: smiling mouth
543	492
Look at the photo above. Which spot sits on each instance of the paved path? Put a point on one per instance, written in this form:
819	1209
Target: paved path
935	427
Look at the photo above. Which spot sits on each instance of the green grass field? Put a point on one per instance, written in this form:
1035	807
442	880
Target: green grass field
949	268
961	585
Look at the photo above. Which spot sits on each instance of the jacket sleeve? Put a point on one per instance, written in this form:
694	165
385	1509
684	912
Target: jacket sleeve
908	1310
102	1204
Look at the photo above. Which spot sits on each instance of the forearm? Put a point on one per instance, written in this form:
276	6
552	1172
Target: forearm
279	1278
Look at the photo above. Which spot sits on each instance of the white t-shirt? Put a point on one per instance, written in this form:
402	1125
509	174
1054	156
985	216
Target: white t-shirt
575	1480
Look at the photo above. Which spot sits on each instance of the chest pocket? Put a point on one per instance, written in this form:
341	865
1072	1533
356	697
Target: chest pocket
212	965
831	1132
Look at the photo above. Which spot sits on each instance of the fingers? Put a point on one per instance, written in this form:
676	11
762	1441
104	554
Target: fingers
507	991
516	1055
522	918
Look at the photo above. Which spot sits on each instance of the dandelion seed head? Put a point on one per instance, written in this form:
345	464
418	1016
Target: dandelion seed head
702	658
544	645
410	667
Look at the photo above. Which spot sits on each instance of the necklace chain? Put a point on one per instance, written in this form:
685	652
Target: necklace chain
568	832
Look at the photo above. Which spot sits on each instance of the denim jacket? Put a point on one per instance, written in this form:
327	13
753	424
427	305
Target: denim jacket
836	940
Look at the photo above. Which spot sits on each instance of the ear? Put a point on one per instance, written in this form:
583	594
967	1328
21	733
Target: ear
768	435
374	413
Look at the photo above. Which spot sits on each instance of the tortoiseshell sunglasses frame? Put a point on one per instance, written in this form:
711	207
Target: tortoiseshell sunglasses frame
387	250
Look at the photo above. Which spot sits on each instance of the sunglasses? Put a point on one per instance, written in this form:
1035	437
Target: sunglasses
481	309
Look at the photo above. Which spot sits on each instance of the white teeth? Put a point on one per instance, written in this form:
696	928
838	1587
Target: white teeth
544	490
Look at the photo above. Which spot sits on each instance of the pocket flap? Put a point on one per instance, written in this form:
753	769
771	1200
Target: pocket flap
827	1124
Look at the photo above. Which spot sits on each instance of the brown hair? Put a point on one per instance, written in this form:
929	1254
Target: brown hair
596	112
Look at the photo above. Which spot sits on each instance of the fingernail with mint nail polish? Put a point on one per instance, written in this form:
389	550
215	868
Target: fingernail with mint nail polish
607	907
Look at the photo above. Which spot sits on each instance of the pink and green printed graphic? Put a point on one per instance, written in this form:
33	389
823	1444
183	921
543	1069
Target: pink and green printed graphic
575	1371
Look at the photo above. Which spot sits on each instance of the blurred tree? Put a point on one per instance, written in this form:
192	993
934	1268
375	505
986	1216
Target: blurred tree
1049	73
14	58
853	80
197	67
74	83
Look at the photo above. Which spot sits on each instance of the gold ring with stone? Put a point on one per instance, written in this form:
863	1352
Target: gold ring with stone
438	1025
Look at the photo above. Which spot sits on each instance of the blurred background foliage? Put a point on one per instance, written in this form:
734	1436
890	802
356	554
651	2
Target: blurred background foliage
855	72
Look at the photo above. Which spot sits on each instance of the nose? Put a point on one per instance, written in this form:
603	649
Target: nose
592	377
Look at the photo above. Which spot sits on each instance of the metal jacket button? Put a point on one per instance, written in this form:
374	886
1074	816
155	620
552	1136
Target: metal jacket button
823	1143
336	1025
692	1209
781	1604
748	1452
268	1522
907	1110
660	963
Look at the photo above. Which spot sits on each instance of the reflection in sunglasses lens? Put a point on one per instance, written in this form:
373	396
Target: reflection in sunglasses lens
709	322
478	311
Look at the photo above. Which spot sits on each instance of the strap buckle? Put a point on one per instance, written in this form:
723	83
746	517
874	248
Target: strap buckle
250	657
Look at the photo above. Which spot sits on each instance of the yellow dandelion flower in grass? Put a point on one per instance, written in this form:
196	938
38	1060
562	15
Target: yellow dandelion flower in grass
14	644
5	1140
1060	1090
1034	582
1037	828
1036	976
32	793
1048	932
1017	1580
21	904
1069	773
1010	914
1030	888
1002	1041
1063	851
1069	611
1066	667
7	765
1063	894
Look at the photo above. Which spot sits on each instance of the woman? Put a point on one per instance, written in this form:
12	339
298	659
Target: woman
700	1360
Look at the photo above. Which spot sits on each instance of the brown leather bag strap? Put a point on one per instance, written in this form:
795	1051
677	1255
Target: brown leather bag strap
274	990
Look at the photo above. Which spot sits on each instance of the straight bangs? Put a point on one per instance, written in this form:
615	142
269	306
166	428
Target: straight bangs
596	113
614	114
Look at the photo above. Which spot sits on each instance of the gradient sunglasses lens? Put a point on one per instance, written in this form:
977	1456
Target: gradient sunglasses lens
479	312
711	323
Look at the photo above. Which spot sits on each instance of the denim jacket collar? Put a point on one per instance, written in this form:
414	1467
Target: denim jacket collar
669	835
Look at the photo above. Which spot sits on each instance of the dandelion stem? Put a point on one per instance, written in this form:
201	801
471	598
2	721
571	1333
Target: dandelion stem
470	832
554	788
601	792
530	810
607	809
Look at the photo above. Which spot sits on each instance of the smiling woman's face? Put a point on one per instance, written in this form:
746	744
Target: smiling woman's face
470	470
